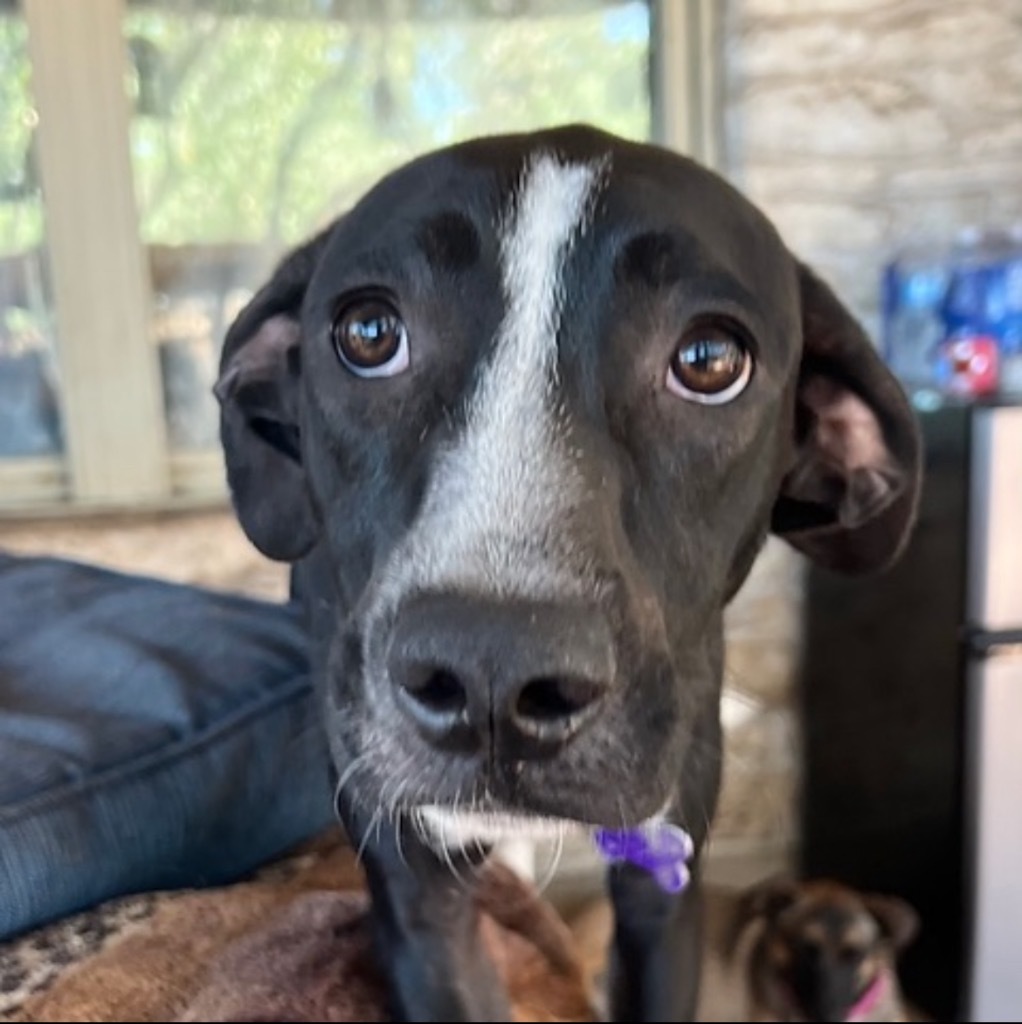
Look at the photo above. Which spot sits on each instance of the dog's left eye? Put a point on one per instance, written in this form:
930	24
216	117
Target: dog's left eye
371	338
711	365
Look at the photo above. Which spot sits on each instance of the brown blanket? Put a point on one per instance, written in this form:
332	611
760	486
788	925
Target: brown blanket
295	948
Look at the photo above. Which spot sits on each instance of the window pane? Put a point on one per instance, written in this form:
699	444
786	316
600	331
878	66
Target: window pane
256	123
29	413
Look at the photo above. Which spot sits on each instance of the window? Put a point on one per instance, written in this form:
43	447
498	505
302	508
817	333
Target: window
182	145
31	440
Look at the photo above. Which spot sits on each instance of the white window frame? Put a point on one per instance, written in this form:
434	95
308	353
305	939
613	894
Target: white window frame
116	451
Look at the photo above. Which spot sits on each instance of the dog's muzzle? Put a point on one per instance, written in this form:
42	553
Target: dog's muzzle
517	679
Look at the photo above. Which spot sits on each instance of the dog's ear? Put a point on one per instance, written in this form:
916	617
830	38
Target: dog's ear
849	500
764	901
897	920
258	390
768	898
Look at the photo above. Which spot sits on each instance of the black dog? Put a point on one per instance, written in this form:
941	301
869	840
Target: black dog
524	418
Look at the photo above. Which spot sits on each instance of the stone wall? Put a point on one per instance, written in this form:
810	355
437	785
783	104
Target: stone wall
860	124
756	829
857	125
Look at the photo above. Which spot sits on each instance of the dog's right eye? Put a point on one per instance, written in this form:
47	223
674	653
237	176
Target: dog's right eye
370	338
711	365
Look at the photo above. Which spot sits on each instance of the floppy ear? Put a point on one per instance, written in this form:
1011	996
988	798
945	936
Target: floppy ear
897	920
258	390
763	901
849	499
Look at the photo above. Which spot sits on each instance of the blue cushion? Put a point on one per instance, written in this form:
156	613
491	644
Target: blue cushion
152	735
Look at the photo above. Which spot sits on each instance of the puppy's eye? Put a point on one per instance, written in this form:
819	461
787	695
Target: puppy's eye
371	338
711	365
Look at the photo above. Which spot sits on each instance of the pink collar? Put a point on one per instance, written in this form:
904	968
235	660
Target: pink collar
869	999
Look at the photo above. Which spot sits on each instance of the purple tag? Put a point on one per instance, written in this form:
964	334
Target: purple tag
662	849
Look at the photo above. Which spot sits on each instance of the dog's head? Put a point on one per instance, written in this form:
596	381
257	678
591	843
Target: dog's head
821	949
532	407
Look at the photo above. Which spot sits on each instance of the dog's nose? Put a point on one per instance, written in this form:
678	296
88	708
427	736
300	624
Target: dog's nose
527	677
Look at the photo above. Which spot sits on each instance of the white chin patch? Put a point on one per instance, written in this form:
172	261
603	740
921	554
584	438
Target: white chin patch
455	830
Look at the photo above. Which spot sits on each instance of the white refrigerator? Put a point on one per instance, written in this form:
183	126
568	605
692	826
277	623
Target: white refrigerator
993	850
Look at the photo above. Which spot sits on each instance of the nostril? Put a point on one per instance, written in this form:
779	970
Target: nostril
436	699
437	689
554	700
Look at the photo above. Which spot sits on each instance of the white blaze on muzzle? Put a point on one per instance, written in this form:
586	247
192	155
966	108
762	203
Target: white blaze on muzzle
504	488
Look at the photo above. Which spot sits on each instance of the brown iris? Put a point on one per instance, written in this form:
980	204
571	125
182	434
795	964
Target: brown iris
711	365
371	338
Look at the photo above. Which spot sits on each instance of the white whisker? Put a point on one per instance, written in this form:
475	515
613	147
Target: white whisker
364	842
555	861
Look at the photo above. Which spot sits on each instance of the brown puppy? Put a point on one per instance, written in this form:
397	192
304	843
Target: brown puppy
819	951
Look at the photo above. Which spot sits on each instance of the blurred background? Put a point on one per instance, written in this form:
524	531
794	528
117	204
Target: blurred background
158	156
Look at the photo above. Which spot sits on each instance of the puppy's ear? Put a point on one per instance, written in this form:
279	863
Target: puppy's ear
258	390
849	499
764	901
897	920
769	897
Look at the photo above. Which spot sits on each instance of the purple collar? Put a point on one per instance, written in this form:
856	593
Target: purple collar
659	847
